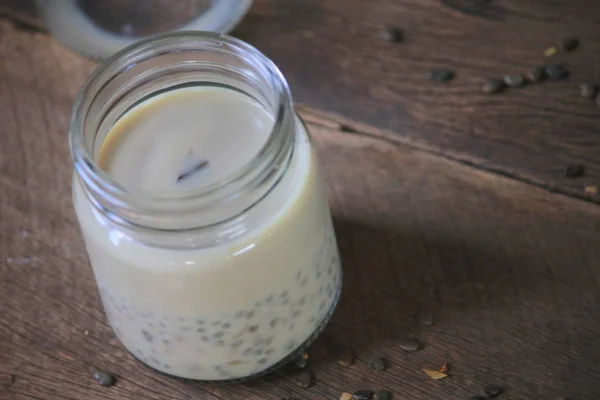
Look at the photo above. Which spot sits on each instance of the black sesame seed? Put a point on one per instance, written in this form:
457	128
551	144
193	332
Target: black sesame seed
247	351
382	395
237	343
392	35
536	74
250	314
376	363
295	314
147	335
440	74
219	335
588	90
424	318
304	281
269	351
304	379
574	171
409	345
284	293
514	81
253	328
491	391
166	342
571	43
300	361
492	86
274	322
346	358
200	322
200	330
556	71
104	378
226	325
362	395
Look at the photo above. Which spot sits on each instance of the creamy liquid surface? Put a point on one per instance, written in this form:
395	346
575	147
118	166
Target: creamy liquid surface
168	137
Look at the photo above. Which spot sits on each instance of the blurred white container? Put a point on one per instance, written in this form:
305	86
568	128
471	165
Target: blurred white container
99	28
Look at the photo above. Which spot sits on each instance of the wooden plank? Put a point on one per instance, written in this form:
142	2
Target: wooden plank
332	54
508	270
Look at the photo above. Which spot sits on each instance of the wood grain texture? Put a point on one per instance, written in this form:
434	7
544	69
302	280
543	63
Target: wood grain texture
509	271
332	54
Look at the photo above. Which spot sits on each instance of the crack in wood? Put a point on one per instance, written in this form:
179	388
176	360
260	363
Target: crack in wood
349	129
22	23
478	8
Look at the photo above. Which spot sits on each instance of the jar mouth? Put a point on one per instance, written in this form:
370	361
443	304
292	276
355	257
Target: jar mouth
180	57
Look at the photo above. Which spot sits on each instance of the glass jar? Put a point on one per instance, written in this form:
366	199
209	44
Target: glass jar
99	28
219	282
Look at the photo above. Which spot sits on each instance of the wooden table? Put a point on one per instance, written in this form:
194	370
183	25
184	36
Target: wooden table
444	199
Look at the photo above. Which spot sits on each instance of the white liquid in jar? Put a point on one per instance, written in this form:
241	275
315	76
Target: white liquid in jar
239	307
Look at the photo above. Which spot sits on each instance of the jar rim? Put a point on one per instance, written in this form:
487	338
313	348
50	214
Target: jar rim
99	181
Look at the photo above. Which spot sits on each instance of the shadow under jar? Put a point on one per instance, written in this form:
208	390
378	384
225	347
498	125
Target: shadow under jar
202	208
